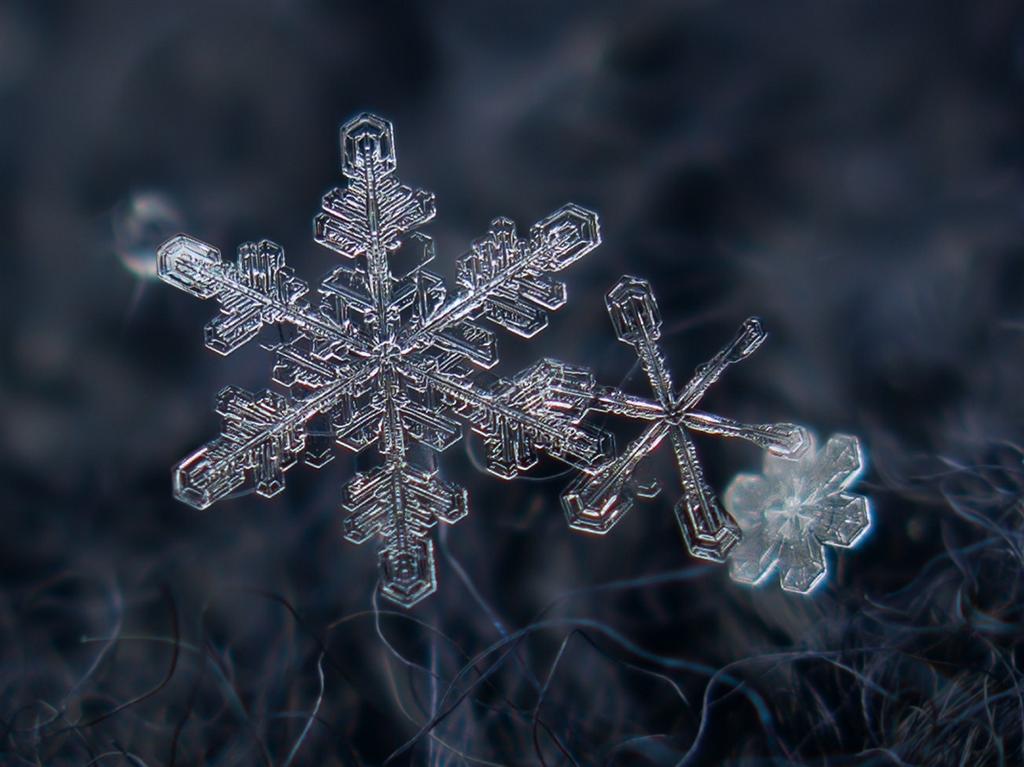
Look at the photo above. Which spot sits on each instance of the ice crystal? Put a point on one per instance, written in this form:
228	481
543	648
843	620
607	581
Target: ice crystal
793	510
604	493
386	359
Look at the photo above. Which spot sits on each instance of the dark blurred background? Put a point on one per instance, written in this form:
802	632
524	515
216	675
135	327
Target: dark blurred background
849	171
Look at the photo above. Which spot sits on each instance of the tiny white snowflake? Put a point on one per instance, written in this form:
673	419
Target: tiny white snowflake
794	509
388	359
604	493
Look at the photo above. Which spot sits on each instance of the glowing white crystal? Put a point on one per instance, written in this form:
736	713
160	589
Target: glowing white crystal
794	509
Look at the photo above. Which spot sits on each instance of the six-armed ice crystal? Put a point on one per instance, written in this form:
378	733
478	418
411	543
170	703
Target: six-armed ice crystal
600	497
388	359
794	509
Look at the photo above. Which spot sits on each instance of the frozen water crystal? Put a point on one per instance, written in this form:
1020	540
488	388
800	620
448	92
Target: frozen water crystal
388	359
793	509
604	493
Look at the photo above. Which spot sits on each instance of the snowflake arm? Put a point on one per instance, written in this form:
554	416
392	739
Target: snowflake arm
791	511
259	442
399	503
256	290
602	496
374	209
263	436
506	280
538	409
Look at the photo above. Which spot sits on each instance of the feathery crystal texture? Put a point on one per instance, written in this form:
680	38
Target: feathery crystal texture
388	359
604	493
789	513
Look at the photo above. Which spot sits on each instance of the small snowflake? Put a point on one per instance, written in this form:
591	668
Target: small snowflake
793	510
388	359
604	493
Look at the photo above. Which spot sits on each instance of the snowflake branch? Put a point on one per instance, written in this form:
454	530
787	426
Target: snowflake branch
782	439
550	429
254	424
257	290
503	279
708	531
597	500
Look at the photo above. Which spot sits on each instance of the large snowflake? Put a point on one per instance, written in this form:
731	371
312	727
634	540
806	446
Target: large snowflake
388	359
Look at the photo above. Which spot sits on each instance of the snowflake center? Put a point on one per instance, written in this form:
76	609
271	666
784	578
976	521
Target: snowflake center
793	516
676	413
389	353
